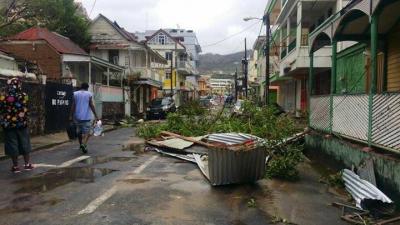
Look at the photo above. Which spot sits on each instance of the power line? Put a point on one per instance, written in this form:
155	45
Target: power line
220	41
91	10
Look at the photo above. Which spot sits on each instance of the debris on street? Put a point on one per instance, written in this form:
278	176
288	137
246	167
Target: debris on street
366	195
230	157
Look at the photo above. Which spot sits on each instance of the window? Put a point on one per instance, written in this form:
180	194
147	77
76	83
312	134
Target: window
168	55
126	60
161	39
113	56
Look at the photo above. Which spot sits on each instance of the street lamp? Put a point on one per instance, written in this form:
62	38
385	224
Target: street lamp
266	51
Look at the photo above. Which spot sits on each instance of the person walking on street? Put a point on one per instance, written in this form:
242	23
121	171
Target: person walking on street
81	114
13	119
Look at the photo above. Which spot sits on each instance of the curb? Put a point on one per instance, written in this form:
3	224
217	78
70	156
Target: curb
44	147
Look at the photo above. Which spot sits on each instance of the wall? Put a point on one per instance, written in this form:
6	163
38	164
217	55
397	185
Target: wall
102	31
7	63
351	73
393	70
41	53
113	110
344	154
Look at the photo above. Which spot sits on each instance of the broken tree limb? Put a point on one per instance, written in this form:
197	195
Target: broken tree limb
188	139
338	204
388	221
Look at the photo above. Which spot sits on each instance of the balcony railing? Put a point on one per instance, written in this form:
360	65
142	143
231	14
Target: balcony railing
144	73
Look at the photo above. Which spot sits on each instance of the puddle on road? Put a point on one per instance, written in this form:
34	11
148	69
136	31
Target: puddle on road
136	148
58	177
103	159
26	202
134	181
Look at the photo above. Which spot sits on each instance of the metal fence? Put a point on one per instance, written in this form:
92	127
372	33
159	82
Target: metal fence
350	117
386	120
319	113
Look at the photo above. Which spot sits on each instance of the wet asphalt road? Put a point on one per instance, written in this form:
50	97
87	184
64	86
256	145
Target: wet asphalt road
115	186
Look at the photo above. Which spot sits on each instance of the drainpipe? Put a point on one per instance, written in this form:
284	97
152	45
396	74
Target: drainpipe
333	83
372	89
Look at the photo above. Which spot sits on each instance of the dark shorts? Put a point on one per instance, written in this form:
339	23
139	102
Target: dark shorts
83	126
17	142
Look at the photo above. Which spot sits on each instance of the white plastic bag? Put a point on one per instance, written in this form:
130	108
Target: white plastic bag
98	129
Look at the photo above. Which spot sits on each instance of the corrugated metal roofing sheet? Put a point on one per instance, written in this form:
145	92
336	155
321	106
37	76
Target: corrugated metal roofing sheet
60	43
230	167
366	195
232	138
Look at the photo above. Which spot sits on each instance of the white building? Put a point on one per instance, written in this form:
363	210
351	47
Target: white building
143	66
176	53
221	86
293	21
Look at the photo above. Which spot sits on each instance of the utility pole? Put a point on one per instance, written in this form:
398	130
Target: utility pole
172	90
245	67
236	85
267	28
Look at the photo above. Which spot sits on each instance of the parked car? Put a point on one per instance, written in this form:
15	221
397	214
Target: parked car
160	107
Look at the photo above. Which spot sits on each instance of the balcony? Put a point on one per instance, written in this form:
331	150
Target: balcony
144	73
185	67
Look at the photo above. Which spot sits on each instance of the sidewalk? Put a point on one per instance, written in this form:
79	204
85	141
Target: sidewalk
49	140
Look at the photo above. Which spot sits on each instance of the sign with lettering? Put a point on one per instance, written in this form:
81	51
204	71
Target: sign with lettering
58	104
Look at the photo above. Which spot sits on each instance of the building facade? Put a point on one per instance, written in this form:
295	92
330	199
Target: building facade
357	110
143	67
292	22
178	59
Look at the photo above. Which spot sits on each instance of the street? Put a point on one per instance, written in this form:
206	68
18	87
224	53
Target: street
112	186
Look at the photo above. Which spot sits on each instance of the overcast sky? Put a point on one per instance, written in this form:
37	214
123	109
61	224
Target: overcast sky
212	20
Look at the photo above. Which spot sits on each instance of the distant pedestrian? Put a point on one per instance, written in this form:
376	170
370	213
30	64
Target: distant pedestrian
14	120
81	114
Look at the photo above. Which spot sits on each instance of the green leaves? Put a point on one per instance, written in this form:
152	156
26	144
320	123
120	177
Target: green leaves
60	16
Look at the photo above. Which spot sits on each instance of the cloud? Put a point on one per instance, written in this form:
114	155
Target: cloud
212	20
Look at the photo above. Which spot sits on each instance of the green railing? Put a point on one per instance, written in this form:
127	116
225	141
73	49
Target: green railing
283	53
292	45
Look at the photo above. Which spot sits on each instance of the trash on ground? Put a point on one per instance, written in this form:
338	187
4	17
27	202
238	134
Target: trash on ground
188	157
228	158
366	195
176	143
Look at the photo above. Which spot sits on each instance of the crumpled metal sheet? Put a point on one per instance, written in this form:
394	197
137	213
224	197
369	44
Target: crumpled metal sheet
188	157
366	195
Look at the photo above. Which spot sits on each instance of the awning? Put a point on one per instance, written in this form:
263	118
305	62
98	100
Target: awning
102	62
277	78
150	82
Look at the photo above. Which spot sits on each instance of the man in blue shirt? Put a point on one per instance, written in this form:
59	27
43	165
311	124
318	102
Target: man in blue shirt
81	113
